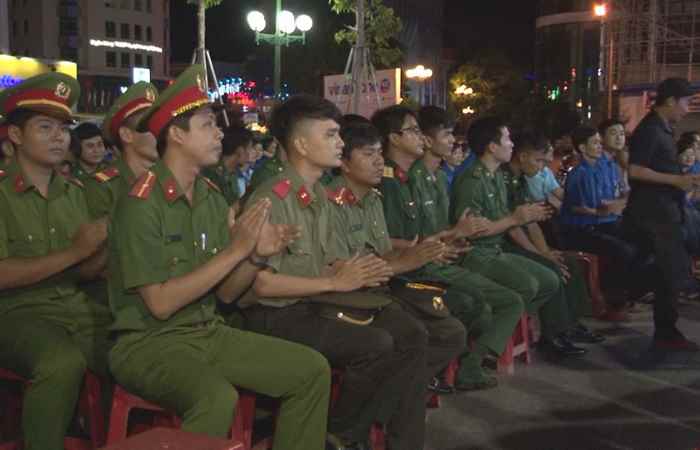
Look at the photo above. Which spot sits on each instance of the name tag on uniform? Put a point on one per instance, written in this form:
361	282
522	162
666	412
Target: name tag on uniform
173	238
429	202
356	227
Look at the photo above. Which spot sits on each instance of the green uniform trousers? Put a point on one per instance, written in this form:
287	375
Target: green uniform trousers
538	286
486	308
52	343
193	370
575	289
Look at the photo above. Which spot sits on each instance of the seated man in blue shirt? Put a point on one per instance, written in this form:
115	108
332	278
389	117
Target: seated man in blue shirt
591	212
543	186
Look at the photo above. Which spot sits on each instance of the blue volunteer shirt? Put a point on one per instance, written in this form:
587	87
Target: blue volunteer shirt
588	186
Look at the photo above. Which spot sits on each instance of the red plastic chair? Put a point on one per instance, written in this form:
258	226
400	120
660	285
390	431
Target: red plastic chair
123	402
518	346
591	267
88	406
162	438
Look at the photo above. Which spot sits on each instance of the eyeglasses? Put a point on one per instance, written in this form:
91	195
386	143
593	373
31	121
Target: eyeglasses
412	130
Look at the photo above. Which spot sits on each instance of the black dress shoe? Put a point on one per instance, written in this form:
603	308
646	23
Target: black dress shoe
580	334
439	386
561	346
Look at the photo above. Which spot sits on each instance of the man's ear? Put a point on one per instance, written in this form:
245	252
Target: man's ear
176	134
15	134
126	135
301	145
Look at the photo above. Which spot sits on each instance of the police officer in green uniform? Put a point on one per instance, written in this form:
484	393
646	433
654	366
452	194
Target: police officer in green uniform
138	150
270	168
50	331
174	249
360	228
529	157
406	205
90	150
482	190
238	143
310	295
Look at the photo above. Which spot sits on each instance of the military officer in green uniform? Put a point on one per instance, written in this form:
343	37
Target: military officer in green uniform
360	228
238	143
89	150
50	331
309	294
270	168
138	150
406	205
529	157
482	190
174	250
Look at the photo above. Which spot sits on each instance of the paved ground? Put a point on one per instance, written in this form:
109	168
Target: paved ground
619	396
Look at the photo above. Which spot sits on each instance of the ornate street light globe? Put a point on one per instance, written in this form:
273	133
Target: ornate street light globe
256	21
285	19
304	23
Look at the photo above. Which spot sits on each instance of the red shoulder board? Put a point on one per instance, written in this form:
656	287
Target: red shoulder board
107	174
337	196
401	174
282	188
143	187
2	173
304	196
211	184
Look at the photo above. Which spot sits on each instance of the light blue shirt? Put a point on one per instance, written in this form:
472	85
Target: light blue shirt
542	184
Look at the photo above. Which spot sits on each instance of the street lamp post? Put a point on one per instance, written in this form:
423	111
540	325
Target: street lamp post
421	74
600	10
285	25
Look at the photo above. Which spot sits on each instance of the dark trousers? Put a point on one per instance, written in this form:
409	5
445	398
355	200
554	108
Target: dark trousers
384	367
671	269
630	265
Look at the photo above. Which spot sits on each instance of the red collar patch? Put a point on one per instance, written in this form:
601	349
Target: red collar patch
282	188
143	187
106	175
20	184
401	174
170	189
304	197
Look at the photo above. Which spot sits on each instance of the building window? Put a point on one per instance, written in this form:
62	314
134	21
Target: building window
138	60
110	29
26	26
148	6
111	59
126	60
149	61
149	34
137	5
125	31
137	32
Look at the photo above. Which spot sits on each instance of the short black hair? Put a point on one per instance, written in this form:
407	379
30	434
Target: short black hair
289	114
690	135
87	130
607	123
686	141
483	132
182	121
235	137
390	120
356	135
432	118
20	116
348	119
528	141
582	134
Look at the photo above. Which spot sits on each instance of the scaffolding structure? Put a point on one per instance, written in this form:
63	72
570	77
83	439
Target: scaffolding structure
650	40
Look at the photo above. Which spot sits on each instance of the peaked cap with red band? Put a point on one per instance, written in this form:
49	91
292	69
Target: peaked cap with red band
137	98
188	92
53	94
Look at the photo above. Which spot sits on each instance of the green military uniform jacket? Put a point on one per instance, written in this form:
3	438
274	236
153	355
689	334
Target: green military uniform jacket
310	209
227	182
78	172
516	185
403	217
270	168
156	235
432	197
33	226
486	194
359	225
105	187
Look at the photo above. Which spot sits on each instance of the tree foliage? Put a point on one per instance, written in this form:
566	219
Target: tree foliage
382	28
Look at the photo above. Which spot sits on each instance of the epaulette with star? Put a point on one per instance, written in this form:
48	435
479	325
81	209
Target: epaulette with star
211	184
143	186
304	197
104	176
282	188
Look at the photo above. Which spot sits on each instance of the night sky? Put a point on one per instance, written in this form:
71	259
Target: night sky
506	25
